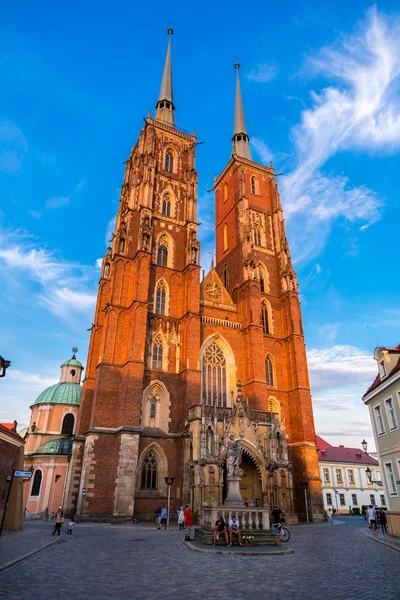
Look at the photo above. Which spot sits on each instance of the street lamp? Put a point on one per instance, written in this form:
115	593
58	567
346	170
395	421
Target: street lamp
169	481
369	475
56	478
304	485
336	497
4	364
364	445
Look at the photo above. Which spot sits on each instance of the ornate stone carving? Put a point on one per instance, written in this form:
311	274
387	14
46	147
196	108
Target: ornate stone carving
234	457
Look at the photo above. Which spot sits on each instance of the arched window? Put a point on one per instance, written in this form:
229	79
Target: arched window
149	479
226	277
166	205
37	482
265	318
253	185
257	236
214	376
153	408
160	298
225	237
169	161
262	282
225	192
157	359
68	424
269	371
162	255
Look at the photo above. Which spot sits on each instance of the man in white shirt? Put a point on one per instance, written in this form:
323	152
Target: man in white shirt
372	517
234	530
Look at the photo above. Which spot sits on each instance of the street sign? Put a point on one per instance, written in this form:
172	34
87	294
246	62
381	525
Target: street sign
26	474
83	491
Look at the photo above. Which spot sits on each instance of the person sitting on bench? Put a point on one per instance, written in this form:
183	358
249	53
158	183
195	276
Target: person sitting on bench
219	530
234	530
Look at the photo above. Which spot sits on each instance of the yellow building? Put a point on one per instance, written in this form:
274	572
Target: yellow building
383	401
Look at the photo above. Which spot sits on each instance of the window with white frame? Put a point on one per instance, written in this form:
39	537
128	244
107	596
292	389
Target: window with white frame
390	479
391	413
383	368
383	500
350	473
339	477
342	500
372	499
354	499
326	476
329	499
379	420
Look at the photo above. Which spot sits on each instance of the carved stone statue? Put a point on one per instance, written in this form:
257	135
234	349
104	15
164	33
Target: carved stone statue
234	457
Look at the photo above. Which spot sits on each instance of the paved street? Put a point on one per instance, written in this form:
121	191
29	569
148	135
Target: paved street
116	562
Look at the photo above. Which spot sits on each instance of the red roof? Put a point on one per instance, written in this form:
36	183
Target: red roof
11	426
341	454
377	381
10	432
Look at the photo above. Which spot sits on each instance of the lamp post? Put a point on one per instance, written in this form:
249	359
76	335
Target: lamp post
364	445
304	485
169	481
369	476
56	478
4	364
336	497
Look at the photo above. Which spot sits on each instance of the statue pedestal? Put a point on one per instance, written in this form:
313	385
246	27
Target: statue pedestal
234	498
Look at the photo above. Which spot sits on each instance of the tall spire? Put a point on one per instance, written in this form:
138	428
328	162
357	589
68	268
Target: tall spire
165	105
240	138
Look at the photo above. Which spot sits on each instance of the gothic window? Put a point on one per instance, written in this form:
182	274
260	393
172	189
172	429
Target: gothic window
226	279
225	237
166	205
157	361
160	298
162	255
269	371
262	282
68	424
265	318
153	408
253	185
169	161
149	472
107	270
214	376
37	482
257	236
225	192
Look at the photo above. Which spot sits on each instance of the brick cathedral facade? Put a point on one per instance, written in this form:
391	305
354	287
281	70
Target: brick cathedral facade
176	365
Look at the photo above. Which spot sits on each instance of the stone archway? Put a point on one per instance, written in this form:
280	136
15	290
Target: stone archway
251	483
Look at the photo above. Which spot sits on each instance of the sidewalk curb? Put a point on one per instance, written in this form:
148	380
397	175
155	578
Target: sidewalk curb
26	556
379	540
193	548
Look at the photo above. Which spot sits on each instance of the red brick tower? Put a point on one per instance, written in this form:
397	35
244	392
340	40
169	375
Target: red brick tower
144	348
254	263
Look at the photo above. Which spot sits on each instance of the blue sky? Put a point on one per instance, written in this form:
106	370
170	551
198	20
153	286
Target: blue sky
320	85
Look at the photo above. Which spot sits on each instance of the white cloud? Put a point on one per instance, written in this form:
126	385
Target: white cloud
54	202
110	230
359	111
340	366
13	147
66	302
263	73
262	150
98	263
80	185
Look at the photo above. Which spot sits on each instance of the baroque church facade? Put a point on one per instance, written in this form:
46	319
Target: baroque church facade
177	365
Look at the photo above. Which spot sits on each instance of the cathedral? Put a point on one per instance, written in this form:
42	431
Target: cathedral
179	364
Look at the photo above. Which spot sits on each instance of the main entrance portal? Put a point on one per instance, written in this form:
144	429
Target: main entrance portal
250	484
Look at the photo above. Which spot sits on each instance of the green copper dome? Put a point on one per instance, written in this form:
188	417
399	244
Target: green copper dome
61	445
64	392
72	362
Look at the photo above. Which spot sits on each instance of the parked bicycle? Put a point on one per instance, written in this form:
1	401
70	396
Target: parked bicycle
284	532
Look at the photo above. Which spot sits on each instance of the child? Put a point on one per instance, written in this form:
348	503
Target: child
330	517
70	527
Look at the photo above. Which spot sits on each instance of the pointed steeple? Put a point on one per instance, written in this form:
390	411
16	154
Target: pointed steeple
240	139
165	105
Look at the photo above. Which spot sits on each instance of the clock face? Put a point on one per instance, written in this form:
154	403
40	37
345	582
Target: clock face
213	290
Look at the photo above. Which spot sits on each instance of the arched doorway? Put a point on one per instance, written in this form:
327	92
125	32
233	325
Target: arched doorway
250	484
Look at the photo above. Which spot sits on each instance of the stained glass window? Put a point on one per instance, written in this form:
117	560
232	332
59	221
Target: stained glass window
149	472
214	376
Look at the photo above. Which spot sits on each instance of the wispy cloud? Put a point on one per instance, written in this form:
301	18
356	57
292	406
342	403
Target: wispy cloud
13	147
53	203
359	111
263	73
262	150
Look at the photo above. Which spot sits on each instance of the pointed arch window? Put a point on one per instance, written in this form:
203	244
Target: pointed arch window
169	161
153	408
68	424
161	293
166	205
162	255
265	318
149	475
262	282
269	371
253	185
225	237
226	192
214	376
226	277
157	358
257	236
37	483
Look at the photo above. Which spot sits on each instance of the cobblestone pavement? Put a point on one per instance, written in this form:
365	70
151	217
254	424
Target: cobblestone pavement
116	562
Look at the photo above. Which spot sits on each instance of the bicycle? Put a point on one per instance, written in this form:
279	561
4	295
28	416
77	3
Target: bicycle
284	532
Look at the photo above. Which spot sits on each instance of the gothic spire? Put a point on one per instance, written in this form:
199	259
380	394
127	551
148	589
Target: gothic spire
240	138
165	105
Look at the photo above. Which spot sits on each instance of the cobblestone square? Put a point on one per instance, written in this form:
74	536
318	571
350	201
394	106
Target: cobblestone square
114	562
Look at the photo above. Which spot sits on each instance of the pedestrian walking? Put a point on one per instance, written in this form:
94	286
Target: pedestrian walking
330	517
59	521
188	523
372	517
181	518
163	518
71	525
383	520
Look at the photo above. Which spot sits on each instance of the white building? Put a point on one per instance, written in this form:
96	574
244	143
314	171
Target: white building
345	483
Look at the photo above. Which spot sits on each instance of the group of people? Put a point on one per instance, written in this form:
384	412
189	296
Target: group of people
229	532
59	520
376	518
185	520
